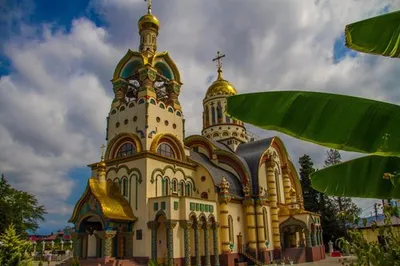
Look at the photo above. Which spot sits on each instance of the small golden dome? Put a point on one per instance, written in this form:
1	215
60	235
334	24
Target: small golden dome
148	21
221	87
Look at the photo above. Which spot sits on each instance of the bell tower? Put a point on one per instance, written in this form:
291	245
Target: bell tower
216	124
146	86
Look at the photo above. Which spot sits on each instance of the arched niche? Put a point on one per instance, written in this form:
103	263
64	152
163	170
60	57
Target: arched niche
164	70
130	68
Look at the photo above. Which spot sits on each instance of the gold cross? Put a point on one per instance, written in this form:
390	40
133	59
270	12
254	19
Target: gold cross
102	151
218	59
148	5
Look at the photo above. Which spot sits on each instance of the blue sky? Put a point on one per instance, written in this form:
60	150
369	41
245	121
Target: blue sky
60	55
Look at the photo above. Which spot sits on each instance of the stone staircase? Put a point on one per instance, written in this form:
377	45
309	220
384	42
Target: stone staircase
252	258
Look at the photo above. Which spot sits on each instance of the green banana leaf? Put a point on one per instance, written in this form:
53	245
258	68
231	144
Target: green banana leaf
362	177
378	35
331	120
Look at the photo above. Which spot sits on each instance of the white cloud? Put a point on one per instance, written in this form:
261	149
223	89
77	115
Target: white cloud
54	103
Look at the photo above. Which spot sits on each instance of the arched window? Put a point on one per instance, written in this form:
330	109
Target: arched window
165	186
174	185
127	149
182	188
188	191
206	116
141	101
152	101
204	195
266	227
213	115
125	187
117	183
231	233
170	110
219	113
165	149
278	187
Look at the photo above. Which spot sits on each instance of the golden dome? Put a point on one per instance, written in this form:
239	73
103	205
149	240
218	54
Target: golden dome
148	21
220	87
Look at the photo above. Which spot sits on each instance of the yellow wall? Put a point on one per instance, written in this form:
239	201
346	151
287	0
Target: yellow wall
370	235
239	225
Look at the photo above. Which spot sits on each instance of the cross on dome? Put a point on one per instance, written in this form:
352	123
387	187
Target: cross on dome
148	6
219	63
102	151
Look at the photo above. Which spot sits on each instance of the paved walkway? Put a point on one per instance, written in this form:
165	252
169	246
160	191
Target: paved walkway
327	262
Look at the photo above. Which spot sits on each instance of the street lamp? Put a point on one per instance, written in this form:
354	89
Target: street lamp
62	244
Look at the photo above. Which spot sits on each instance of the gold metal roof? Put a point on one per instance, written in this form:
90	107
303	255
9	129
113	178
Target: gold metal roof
113	204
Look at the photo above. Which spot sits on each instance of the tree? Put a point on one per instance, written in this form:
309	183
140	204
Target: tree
310	195
345	208
18	208
13	248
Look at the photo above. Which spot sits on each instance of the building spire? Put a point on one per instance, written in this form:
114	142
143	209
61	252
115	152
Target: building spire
102	152
148	6
102	167
219	63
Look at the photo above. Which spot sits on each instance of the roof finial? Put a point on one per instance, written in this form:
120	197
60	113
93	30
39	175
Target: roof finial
219	63
148	6
102	152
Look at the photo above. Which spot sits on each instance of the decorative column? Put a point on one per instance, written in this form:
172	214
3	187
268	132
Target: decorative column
206	228
308	238
129	244
272	197
224	199
119	87
186	225
321	236
107	237
196	228
153	225
251	224
286	183
215	243
77	249
170	241
314	236
260	201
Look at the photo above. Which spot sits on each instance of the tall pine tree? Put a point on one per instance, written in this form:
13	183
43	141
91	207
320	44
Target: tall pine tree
310	195
318	202
345	208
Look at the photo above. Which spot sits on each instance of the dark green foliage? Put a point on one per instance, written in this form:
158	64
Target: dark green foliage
13	248
374	253
331	120
310	195
75	261
19	208
334	216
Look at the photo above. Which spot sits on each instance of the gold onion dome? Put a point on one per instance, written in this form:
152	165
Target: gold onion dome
220	87
148	21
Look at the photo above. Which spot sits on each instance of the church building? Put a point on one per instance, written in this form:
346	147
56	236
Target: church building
219	198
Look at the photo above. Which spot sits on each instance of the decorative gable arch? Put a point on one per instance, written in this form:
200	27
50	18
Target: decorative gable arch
169	63
124	62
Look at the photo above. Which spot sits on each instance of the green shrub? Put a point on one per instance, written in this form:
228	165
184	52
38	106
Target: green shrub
374	253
